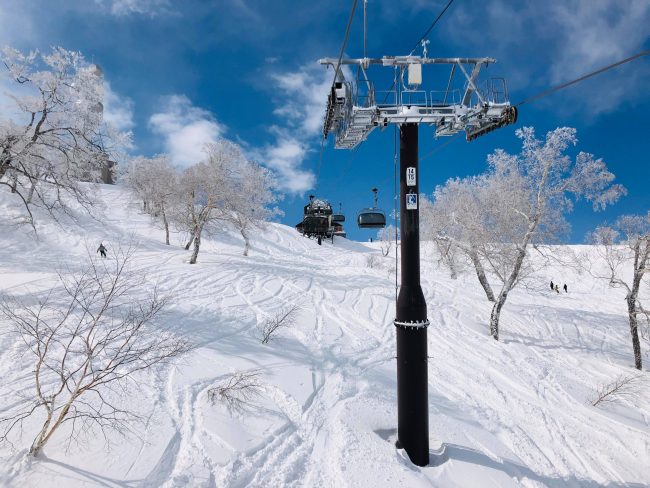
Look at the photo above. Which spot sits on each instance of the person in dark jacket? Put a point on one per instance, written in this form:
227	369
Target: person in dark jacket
566	290
101	250
552	286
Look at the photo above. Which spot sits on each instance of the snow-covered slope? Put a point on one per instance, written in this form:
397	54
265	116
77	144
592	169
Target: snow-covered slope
510	413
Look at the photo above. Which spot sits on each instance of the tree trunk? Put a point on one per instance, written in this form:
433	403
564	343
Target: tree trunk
165	223
39	441
482	279
495	315
189	243
634	329
14	183
640	258
246	241
503	294
197	244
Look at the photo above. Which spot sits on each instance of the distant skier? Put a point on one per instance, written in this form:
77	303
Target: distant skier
101	250
552	286
557	288
566	290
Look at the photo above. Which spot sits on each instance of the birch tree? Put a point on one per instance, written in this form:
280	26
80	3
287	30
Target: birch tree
386	238
520	201
251	199
54	136
625	250
207	191
454	224
155	181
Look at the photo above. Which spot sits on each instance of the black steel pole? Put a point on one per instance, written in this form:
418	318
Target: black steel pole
411	317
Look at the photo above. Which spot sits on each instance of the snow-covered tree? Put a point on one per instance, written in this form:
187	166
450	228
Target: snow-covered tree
386	238
54	136
251	202
155	182
453	223
625	247
228	188
521	200
207	190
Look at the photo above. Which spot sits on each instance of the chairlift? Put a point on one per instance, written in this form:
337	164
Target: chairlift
339	217
372	218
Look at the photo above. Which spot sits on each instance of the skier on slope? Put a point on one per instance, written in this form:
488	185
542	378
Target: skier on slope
552	286
566	290
102	250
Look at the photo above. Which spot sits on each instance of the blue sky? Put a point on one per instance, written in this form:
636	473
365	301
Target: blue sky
184	73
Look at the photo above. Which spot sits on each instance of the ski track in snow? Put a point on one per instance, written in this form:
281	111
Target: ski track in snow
514	413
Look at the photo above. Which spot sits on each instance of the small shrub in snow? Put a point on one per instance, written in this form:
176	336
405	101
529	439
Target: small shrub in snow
622	388
285	317
238	392
372	261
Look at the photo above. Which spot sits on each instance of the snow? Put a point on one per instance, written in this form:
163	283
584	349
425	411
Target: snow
509	413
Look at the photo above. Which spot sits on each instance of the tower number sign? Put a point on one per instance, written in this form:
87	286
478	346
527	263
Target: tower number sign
410	176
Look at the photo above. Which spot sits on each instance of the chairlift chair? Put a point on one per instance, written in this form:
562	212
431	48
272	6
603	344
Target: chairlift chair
338	217
373	217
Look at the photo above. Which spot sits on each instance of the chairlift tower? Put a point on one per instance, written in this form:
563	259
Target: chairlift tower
354	109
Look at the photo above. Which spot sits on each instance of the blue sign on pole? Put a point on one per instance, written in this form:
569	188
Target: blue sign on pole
411	201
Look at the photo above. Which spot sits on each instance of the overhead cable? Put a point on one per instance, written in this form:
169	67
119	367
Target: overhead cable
584	77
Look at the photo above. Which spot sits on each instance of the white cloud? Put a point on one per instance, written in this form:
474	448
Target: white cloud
142	7
186	129
285	157
597	32
304	96
118	110
299	109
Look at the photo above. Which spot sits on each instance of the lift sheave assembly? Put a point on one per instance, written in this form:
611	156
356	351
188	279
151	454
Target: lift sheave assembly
355	108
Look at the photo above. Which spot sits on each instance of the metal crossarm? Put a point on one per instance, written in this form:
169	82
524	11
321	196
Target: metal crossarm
352	117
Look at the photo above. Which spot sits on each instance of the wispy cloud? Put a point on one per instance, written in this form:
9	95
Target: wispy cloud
285	156
539	44
141	7
299	109
186	129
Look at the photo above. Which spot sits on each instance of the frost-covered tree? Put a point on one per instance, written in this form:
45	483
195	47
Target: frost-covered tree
251	203
207	190
521	200
155	182
453	223
225	187
54	136
386	238
625	248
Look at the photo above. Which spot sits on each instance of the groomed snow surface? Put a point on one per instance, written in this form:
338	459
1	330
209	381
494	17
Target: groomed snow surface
509	413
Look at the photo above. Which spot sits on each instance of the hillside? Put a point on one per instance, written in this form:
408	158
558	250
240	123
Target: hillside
512	413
